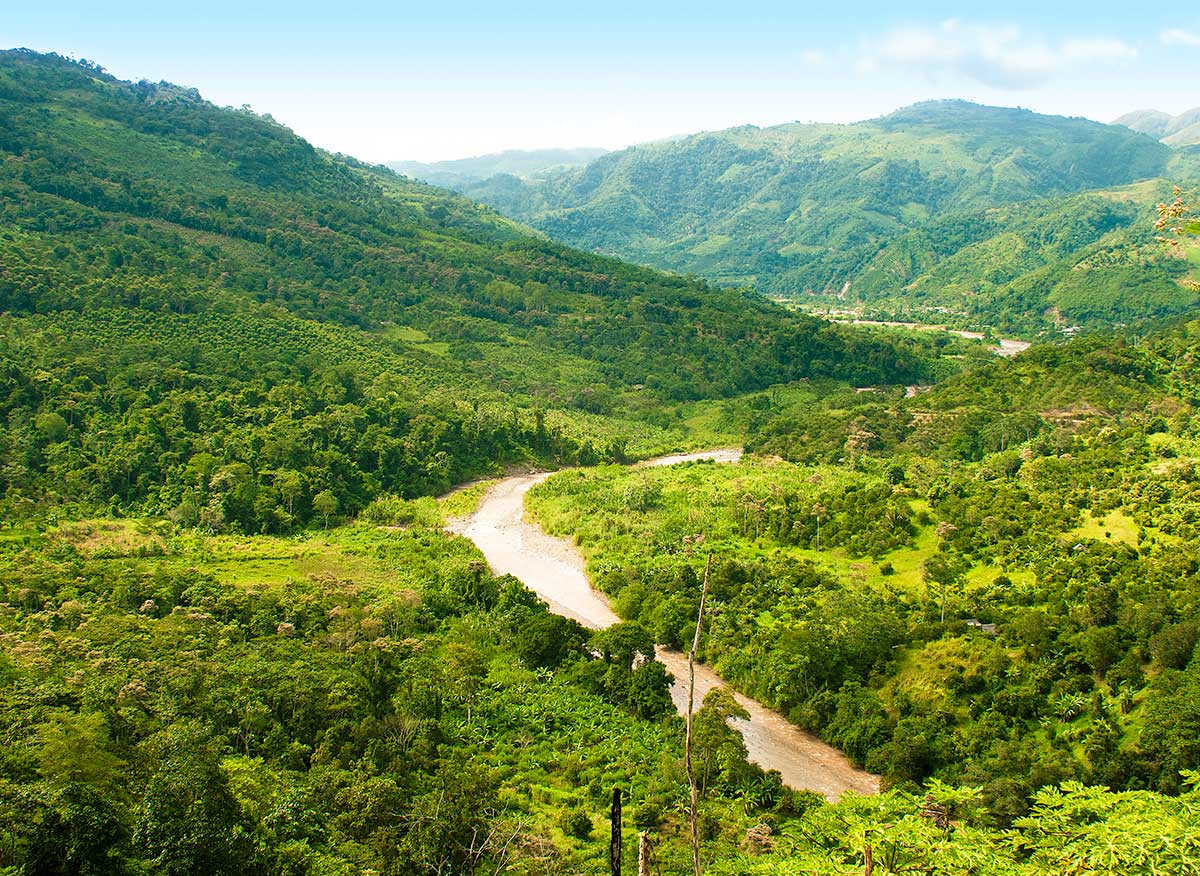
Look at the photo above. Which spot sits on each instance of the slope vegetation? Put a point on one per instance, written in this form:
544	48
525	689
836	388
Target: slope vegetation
200	309
993	583
805	210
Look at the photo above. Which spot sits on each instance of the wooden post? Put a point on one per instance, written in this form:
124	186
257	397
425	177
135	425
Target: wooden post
614	843
693	817
644	854
868	860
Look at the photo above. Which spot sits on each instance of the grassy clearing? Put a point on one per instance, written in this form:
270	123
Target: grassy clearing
1115	526
464	500
345	558
99	538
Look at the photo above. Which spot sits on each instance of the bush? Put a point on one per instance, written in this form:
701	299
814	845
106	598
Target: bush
1173	645
648	816
576	823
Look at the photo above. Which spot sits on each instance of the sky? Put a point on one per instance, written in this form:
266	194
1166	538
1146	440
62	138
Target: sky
440	80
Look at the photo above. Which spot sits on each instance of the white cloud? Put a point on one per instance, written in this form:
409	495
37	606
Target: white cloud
1177	37
999	56
1099	49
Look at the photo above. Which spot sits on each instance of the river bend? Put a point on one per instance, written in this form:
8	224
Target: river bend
554	569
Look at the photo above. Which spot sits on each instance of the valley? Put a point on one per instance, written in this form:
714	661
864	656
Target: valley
554	571
354	525
1003	346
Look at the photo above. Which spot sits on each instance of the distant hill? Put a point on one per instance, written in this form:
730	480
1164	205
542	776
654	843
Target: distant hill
516	162
1180	130
805	210
1146	121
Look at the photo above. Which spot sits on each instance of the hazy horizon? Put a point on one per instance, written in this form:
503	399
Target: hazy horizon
402	83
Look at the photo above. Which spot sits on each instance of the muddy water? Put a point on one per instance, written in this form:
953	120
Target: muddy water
554	569
1004	346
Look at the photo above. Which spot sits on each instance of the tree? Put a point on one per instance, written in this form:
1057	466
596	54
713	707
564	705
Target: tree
190	822
290	486
719	749
70	830
1178	223
467	668
453	827
542	639
51	425
650	690
818	510
943	570
623	643
1172	729
325	503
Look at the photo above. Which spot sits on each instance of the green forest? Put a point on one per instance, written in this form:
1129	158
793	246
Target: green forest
240	378
943	211
852	593
166	265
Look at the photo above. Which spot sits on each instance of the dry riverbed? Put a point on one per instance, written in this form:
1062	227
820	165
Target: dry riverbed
554	569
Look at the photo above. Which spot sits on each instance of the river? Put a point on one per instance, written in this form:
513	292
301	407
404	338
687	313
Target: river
1004	346
554	569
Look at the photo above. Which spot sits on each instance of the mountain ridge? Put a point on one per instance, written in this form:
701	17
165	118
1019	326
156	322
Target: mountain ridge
521	163
1180	130
801	210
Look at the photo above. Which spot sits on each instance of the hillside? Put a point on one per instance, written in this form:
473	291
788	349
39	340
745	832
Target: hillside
338	330
1180	130
803	211
1089	259
515	162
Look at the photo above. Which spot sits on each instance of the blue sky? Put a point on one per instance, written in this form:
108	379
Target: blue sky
448	79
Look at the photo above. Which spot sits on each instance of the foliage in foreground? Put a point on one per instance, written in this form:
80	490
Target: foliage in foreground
1074	829
175	702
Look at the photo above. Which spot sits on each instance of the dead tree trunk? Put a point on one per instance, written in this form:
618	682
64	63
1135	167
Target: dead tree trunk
643	854
614	843
693	817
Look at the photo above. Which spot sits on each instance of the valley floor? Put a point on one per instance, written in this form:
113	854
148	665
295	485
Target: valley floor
554	569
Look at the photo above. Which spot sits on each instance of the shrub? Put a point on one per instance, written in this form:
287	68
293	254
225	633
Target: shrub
576	823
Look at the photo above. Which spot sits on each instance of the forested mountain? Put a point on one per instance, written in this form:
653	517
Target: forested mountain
1089	259
204	315
236	638
1180	130
857	215
516	162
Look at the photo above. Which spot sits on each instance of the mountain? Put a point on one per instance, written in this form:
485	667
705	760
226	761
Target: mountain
804	210
515	162
165	263
236	638
1088	259
1146	121
1180	130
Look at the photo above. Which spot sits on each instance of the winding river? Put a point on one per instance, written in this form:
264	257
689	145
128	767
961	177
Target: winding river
554	569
